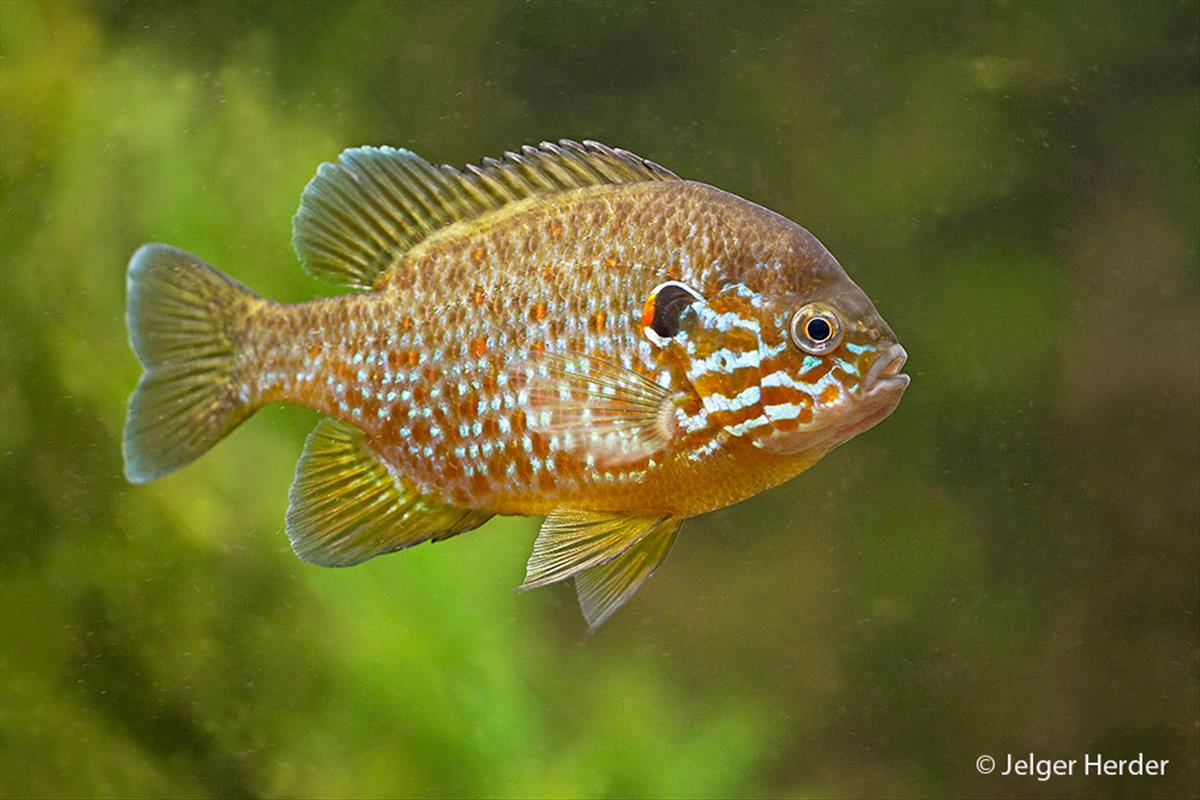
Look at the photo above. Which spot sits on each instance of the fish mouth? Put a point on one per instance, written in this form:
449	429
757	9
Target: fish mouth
884	374
883	386
884	383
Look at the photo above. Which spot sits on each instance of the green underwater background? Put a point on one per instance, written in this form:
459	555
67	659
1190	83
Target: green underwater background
1008	564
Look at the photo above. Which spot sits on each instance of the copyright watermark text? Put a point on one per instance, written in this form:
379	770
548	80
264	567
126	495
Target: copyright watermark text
1090	764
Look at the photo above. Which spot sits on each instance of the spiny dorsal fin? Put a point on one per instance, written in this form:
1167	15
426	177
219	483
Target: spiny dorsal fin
605	587
346	506
359	215
571	541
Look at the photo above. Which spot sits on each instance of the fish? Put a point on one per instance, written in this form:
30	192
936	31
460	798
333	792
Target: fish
568	331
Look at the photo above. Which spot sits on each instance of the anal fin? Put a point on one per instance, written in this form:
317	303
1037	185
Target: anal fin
345	506
604	588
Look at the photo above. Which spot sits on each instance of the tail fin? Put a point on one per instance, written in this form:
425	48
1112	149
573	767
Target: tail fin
185	322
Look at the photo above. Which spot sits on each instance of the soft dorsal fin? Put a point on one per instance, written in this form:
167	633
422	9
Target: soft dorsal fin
359	215
571	541
346	506
604	588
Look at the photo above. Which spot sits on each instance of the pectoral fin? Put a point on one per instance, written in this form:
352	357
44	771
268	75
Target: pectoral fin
596	408
346	505
572	541
604	588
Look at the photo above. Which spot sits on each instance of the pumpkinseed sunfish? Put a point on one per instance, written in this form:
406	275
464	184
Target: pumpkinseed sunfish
570	331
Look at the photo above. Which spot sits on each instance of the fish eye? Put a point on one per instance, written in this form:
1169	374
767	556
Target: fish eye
816	329
663	309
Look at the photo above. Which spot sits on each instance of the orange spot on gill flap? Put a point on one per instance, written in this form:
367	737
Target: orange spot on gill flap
648	311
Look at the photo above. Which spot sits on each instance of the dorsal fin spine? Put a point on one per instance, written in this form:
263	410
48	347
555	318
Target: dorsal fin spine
470	201
435	184
476	199
515	178
616	159
533	175
565	164
474	194
500	182
570	156
499	192
521	179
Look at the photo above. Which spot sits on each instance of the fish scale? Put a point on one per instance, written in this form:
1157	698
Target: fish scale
502	358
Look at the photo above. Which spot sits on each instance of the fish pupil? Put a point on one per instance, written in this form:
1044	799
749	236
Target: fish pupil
819	330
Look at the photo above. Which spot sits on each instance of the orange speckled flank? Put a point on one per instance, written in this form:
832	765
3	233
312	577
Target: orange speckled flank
424	365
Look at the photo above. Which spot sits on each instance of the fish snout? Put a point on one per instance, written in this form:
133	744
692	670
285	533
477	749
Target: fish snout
885	373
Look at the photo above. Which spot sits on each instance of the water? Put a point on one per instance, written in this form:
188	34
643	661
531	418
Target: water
1009	564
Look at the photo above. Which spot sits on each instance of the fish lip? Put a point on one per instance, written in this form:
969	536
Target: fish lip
883	386
885	372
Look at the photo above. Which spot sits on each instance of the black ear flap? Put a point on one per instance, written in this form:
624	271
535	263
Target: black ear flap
664	307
